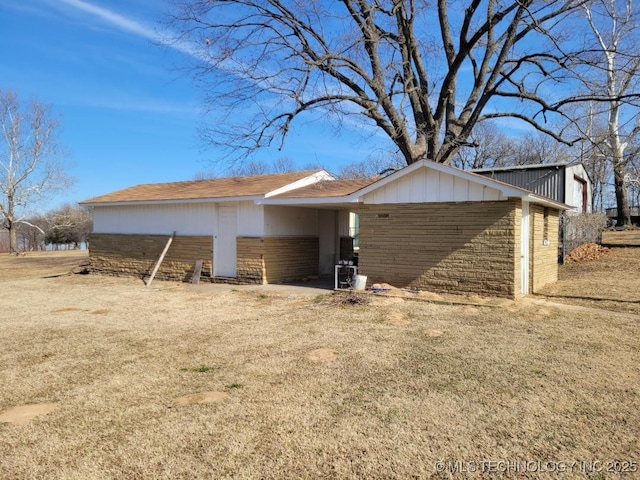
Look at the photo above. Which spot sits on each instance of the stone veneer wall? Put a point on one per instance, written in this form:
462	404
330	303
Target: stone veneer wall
124	254
250	266
543	259
276	259
468	247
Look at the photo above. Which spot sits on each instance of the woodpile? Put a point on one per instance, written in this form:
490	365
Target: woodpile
586	252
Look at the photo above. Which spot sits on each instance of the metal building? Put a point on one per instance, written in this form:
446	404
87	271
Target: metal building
562	182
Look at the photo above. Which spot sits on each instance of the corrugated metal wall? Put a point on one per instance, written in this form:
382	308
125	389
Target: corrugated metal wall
543	181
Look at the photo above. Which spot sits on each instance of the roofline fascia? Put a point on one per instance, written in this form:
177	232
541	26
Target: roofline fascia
533	166
308	200
547	202
248	198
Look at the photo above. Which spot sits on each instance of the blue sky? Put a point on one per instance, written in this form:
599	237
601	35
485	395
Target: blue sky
128	116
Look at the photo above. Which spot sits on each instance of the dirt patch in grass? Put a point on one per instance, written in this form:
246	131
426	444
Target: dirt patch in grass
397	318
24	413
432	332
202	397
521	382
322	355
66	310
611	282
100	311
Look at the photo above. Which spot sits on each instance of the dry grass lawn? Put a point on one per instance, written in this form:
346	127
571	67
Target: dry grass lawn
611	283
176	381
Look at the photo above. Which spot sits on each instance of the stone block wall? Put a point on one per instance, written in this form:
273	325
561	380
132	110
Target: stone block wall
250	267
465	248
276	259
124	254
543	259
290	258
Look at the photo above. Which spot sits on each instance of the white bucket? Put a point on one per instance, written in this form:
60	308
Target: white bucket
360	282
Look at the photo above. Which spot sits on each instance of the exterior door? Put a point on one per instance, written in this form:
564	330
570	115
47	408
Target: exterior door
524	250
225	243
580	195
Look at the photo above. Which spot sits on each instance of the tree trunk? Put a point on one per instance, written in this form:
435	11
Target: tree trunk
622	203
13	238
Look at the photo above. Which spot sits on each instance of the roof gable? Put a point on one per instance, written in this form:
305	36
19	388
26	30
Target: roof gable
425	185
427	181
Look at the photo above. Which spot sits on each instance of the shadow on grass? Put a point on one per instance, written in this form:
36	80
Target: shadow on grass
594	299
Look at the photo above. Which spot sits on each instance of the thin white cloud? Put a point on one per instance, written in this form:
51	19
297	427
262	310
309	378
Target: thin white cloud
114	19
129	25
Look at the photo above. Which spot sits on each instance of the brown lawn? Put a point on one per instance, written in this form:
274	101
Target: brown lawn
612	282
174	381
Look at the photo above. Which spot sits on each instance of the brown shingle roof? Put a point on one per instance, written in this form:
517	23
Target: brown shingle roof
328	188
202	189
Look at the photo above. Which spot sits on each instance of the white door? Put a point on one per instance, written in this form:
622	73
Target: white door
524	250
224	249
579	195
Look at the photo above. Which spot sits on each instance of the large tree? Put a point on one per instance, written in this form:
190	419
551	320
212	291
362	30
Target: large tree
30	165
423	73
609	68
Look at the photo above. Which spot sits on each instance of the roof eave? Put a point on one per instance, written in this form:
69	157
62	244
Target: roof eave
254	198
308	201
547	202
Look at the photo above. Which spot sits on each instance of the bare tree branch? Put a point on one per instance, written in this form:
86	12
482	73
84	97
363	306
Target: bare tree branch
265	64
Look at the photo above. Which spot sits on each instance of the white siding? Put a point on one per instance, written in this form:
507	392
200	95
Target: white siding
426	185
290	221
327	220
250	219
184	219
344	223
572	196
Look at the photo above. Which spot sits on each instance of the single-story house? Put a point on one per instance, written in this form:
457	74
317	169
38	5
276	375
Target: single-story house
427	226
567	183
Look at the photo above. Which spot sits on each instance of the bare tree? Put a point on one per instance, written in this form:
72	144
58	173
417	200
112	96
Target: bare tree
375	164
253	167
423	73
536	149
611	69
261	167
68	225
491	148
29	159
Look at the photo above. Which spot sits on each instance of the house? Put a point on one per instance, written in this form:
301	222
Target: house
427	226
567	183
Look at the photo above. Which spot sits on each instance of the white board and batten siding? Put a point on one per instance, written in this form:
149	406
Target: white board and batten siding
224	249
290	221
427	185
578	189
185	219
250	219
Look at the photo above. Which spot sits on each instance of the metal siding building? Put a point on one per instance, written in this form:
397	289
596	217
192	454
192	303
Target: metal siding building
566	183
